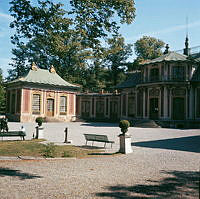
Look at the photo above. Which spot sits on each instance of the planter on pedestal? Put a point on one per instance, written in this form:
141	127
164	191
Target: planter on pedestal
125	144
39	128
124	138
39	132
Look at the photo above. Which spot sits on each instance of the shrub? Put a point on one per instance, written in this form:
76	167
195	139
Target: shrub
4	125
67	154
49	150
124	125
39	121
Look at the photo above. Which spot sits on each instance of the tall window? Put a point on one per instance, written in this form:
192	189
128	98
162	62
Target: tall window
154	74
36	104
63	105
178	73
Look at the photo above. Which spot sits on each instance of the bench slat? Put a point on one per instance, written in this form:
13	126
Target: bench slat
97	138
21	134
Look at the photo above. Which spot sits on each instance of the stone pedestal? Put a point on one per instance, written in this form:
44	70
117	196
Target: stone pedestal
39	132
125	144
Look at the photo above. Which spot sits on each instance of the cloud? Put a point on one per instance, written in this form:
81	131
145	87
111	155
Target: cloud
6	16
164	31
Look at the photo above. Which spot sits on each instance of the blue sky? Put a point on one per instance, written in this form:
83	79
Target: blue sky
163	19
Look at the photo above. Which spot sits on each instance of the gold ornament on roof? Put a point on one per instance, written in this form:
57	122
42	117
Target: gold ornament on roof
34	66
52	69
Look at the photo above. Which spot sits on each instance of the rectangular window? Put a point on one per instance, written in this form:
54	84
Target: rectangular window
154	74
63	105
178	73
36	104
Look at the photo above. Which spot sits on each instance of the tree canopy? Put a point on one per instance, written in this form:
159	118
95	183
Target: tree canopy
148	48
69	38
2	94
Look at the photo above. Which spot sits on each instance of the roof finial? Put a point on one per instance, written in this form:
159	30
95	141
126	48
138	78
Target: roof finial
52	69
34	66
166	49
186	49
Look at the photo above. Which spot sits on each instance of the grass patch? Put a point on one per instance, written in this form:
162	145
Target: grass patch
36	149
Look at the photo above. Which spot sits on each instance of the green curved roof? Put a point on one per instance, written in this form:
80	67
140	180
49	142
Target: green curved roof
42	76
132	80
171	56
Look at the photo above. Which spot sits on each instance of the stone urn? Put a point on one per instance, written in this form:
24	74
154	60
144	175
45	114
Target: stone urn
125	138
39	128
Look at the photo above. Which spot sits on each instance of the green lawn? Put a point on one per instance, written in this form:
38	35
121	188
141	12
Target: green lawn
36	149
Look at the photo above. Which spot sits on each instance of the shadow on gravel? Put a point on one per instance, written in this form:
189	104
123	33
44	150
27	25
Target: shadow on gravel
17	173
100	124
190	144
178	184
91	147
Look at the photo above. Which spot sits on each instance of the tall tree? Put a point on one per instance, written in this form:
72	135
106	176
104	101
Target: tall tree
2	94
148	48
116	60
48	34
95	18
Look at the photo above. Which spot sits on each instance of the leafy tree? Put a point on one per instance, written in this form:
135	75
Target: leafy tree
148	48
95	18
2	94
117	54
48	34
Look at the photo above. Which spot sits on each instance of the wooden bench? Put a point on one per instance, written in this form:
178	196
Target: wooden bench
97	138
21	134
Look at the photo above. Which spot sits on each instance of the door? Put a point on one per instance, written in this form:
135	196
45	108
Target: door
178	108
154	109
50	107
114	110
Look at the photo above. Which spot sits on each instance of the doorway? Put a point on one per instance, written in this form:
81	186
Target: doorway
178	108
50	107
113	110
154	109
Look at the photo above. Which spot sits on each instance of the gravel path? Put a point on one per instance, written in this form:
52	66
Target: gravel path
164	164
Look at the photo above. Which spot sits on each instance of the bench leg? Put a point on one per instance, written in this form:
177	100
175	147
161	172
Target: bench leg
92	143
105	145
86	143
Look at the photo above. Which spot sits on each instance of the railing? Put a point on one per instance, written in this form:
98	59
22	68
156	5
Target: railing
194	51
171	78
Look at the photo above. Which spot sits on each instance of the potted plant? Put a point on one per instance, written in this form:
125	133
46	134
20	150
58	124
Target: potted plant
124	125
39	128
125	138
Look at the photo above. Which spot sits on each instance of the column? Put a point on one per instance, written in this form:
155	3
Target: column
144	98
126	104
165	113
170	103
191	104
121	105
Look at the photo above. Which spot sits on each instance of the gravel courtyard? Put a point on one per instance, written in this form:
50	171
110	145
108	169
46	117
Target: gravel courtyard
164	164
